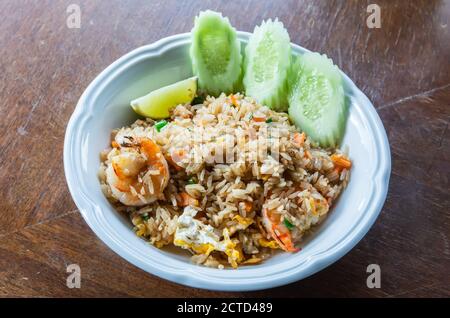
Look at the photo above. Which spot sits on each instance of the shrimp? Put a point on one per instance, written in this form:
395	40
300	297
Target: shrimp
274	226
137	172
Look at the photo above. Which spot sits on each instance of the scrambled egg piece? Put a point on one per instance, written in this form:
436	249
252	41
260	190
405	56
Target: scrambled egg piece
265	243
245	222
233	251
202	239
194	234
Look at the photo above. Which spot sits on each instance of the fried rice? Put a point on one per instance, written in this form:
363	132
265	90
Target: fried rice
243	181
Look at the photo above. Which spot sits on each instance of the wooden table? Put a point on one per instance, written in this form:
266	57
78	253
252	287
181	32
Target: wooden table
403	67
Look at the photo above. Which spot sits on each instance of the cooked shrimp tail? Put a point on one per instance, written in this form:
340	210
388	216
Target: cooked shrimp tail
279	232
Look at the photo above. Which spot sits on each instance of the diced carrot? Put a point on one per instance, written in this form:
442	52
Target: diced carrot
274	217
299	139
308	154
114	144
259	119
341	161
186	199
248	206
234	101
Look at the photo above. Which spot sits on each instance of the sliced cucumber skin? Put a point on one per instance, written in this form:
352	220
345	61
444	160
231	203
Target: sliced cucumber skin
157	104
216	72
269	88
317	103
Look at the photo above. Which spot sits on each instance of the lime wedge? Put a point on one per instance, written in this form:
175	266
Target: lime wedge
158	103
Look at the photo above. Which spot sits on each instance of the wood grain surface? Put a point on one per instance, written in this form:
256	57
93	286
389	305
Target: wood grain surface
403	67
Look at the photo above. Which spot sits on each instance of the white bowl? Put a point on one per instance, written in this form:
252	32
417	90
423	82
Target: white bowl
104	105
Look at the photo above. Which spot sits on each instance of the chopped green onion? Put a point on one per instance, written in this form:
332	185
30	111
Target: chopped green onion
251	116
269	120
192	180
288	224
145	217
160	124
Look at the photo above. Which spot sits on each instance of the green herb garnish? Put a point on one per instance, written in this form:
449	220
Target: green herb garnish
145	217
250	117
288	224
160	124
192	180
269	120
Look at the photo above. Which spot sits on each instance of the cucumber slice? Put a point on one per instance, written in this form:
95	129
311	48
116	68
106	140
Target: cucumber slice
158	103
216	54
317	103
266	65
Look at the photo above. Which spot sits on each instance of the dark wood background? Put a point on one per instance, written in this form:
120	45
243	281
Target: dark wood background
403	67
